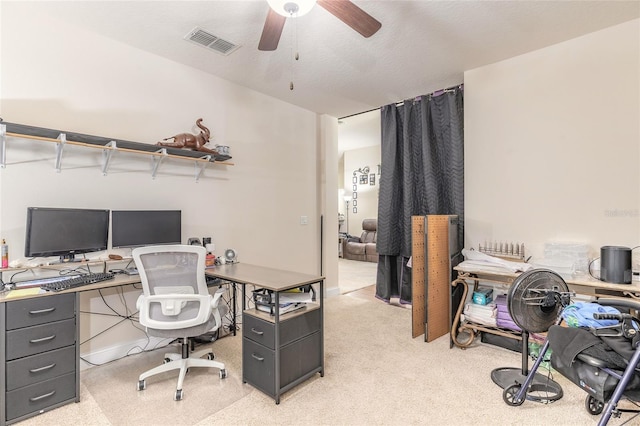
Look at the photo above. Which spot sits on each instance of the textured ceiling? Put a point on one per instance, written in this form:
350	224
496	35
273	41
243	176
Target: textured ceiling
422	46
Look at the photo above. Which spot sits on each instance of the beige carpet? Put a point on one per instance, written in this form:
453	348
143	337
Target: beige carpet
354	275
375	374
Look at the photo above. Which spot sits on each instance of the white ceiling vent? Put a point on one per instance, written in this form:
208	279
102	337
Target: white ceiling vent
208	40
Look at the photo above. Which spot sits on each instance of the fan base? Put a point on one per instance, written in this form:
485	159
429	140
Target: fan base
546	390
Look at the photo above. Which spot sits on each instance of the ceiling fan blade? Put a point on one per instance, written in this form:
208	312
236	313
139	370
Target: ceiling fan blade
352	15
271	31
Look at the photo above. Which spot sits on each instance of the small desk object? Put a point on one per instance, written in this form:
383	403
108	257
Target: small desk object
279	351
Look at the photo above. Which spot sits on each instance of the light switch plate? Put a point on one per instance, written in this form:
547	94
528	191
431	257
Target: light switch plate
304	220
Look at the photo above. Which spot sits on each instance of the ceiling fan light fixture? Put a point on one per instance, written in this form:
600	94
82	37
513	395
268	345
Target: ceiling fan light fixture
290	8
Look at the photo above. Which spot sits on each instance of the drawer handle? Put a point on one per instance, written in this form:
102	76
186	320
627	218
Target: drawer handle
258	332
46	367
44	339
258	358
38	398
42	311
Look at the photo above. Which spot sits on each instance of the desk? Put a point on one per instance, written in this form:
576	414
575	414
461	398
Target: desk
586	285
40	362
278	351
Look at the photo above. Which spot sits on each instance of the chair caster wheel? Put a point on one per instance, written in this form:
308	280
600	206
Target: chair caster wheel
210	356
178	396
223	374
166	360
142	385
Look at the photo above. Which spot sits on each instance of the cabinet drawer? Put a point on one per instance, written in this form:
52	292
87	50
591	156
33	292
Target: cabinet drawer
36	368
41	395
40	310
291	329
258	366
40	338
259	330
296	360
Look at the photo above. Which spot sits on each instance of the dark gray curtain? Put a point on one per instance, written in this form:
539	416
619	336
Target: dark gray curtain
422	173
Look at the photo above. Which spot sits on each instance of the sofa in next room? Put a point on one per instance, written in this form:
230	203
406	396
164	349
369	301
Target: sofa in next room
363	248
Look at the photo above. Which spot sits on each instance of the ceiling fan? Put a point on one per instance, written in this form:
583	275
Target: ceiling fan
344	10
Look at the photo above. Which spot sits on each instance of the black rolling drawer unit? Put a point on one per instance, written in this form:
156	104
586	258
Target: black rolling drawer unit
297	356
39	365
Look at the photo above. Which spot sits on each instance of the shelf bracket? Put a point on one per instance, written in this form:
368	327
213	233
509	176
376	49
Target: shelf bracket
3	145
157	159
201	165
59	147
106	156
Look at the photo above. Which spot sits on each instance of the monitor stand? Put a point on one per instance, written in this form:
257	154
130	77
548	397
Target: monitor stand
67	258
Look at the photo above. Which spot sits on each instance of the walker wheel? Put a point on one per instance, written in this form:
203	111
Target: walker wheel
593	406
510	395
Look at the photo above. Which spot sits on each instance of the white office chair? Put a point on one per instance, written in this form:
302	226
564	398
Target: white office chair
176	303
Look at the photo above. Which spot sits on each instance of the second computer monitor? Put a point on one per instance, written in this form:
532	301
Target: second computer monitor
136	228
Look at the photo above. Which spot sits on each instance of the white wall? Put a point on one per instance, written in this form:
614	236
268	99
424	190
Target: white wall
552	144
61	77
367	198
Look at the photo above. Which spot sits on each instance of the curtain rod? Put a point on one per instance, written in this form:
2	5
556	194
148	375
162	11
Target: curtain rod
400	103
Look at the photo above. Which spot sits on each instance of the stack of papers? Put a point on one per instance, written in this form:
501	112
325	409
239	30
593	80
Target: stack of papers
474	261
284	308
289	302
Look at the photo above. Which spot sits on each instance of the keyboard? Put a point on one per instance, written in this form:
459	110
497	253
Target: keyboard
41	281
78	281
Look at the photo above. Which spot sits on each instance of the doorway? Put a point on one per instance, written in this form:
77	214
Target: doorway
358	183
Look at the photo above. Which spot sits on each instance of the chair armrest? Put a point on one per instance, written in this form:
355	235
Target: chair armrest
172	305
214	306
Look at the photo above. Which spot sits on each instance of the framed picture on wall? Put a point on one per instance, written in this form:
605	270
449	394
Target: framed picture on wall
354	180
355	203
355	188
355	195
364	179
372	179
355	210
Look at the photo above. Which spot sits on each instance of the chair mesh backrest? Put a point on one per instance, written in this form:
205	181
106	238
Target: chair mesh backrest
167	271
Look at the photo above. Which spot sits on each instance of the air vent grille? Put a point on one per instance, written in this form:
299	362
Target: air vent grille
210	41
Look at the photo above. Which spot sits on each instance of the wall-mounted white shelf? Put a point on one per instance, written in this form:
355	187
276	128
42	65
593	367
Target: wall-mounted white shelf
108	146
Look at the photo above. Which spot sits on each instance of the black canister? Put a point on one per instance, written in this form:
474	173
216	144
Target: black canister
615	264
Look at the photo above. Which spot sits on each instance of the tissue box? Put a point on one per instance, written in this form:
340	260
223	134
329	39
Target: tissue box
483	296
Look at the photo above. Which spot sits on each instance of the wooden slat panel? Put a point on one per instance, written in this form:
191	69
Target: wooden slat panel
438	276
418	290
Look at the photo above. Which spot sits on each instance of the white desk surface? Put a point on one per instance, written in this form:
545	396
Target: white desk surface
118	280
586	282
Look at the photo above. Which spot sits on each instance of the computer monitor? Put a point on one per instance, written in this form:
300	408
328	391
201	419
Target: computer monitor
65	232
136	228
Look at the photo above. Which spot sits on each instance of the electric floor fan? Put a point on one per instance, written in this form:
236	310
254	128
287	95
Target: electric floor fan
535	301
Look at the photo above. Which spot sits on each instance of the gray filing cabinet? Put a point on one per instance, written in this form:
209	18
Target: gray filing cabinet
39	365
297	356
